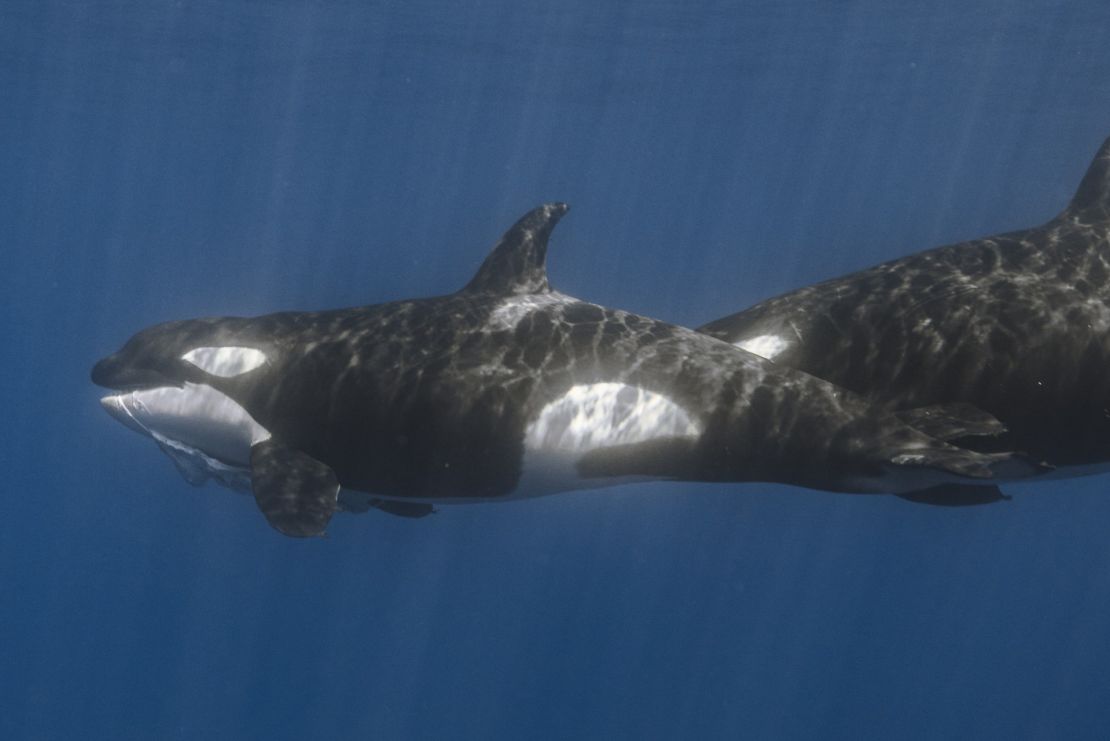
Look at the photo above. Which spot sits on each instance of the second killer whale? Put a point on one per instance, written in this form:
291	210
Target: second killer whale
506	388
1016	324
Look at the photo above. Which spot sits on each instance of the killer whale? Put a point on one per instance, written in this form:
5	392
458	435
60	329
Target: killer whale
1016	324
505	388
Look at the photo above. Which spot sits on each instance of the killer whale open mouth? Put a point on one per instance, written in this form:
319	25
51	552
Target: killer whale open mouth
110	373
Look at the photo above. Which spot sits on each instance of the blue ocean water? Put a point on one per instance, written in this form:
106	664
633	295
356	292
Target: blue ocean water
175	158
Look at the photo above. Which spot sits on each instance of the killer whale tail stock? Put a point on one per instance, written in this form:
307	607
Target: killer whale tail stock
1091	201
933	453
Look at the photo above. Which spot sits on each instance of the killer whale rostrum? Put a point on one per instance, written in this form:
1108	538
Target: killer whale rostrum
504	389
1016	324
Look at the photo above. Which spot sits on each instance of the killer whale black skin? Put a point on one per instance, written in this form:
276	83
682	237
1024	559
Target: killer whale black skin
1016	324
502	389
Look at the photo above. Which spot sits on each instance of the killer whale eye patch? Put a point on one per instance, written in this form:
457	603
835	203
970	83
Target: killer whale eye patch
225	362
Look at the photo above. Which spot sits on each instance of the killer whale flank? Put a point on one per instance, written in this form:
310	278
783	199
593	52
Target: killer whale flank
504	389
1016	325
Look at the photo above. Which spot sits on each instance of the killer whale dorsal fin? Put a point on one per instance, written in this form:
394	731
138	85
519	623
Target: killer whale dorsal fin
1094	189
517	264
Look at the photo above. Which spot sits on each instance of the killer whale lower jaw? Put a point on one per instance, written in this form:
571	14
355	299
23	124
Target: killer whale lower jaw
116	407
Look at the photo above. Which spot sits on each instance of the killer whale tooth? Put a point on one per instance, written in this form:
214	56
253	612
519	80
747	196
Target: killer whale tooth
225	362
518	263
297	493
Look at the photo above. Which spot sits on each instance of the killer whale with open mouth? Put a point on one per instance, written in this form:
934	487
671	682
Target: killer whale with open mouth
1016	324
504	389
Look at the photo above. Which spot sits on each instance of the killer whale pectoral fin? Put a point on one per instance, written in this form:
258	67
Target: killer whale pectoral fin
403	509
952	421
518	263
955	495
297	493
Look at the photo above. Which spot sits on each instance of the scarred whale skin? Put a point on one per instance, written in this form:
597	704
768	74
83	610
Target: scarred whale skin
1016	324
503	389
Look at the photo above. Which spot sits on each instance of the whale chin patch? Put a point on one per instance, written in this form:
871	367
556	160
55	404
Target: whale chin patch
205	432
598	415
225	362
766	346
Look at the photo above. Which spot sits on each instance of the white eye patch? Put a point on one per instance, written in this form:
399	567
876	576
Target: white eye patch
225	362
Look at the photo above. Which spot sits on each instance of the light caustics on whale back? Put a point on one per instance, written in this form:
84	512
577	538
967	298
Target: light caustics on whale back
765	345
509	313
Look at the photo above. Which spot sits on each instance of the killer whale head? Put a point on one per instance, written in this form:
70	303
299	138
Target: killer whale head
177	383
178	352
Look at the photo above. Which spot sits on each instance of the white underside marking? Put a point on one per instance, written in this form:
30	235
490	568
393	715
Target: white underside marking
765	345
598	415
225	362
204	431
589	417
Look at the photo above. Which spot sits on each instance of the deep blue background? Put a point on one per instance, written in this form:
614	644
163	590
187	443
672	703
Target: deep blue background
167	159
